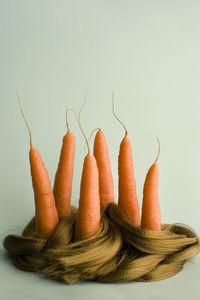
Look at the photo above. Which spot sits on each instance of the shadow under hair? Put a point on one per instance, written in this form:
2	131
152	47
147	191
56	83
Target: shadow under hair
118	252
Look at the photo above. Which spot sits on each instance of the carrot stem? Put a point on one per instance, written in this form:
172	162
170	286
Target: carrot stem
67	123
158	150
30	135
79	123
93	132
91	135
113	111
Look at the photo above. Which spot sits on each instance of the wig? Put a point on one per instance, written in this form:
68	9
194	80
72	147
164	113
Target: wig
118	252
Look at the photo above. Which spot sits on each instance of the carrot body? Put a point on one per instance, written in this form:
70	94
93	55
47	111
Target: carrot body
88	218
64	176
106	184
45	209
128	201
151	217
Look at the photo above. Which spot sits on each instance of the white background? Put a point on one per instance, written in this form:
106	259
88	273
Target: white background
149	50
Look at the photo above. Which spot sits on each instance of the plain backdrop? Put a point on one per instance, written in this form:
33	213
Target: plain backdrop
149	50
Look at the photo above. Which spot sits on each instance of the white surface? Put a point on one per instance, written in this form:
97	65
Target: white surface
149	51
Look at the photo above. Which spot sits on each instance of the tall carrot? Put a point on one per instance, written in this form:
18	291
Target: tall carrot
88	218
64	175
106	184
151	216
127	201
45	209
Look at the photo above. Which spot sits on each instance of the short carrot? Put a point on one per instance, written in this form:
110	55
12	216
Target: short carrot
106	184
151	216
45	210
127	198
64	175
88	218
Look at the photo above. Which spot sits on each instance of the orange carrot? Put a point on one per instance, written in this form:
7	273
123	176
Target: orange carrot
45	209
106	184
88	218
64	175
151	216
128	201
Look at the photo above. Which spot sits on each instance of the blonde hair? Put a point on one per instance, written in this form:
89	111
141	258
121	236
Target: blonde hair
119	252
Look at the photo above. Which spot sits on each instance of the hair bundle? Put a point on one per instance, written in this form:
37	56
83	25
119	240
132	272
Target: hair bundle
118	252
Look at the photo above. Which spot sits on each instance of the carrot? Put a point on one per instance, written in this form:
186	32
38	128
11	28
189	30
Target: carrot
151	216
106	184
127	201
64	175
45	210
88	217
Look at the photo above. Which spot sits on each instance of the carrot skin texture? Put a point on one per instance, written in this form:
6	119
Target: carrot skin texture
89	215
106	184
151	216
45	209
64	176
128	201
